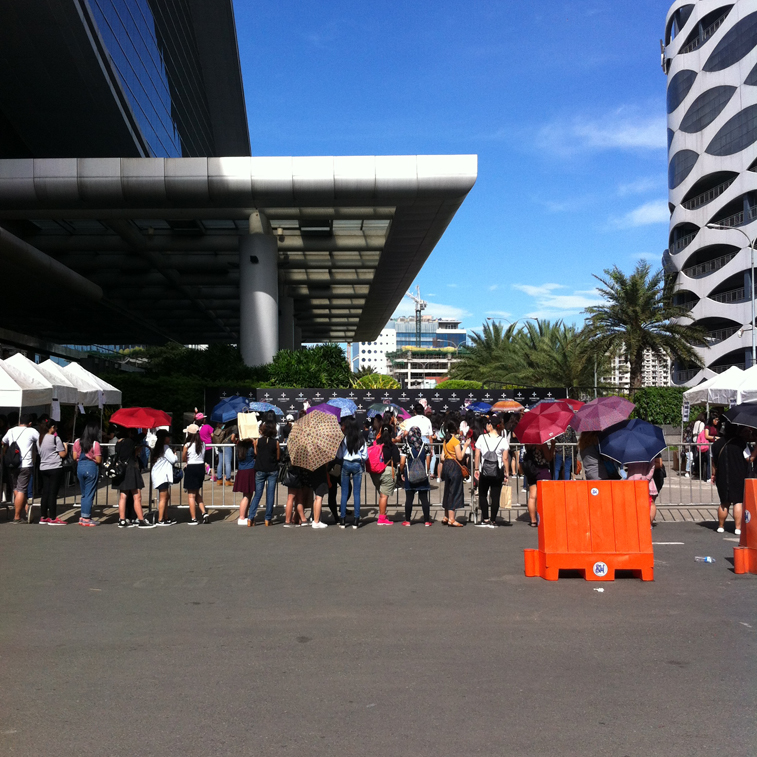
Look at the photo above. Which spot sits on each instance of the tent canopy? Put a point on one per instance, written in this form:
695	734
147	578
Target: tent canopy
90	386
17	391
63	390
68	394
719	390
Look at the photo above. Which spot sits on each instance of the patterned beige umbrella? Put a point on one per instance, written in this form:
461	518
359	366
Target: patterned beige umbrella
314	440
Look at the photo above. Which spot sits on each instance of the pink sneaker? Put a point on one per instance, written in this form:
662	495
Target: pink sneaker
405	522
384	521
44	521
56	522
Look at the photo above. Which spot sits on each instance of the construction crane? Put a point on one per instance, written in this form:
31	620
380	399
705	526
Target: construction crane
420	306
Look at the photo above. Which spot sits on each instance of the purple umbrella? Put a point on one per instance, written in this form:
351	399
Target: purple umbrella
335	411
601	413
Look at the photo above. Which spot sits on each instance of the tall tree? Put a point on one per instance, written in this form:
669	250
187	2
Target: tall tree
639	314
487	355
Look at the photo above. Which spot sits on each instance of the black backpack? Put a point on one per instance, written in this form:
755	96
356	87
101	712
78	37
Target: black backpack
13	457
489	463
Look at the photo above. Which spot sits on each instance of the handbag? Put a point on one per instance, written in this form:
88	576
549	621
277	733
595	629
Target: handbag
249	427
702	443
178	475
506	498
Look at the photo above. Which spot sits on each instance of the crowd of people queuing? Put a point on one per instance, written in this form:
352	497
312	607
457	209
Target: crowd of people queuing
452	449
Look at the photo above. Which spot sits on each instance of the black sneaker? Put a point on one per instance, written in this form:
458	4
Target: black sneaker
145	524
342	524
166	523
356	523
206	517
125	524
194	522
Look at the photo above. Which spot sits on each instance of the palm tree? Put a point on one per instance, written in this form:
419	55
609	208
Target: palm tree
551	354
487	355
639	314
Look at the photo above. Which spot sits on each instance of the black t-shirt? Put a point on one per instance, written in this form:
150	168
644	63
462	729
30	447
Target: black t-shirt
265	460
126	450
391	454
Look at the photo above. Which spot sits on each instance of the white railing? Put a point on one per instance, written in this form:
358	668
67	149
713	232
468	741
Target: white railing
704	36
702	269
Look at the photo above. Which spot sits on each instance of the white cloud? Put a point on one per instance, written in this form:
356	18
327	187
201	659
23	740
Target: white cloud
494	287
452	286
650	257
649	213
550	305
498	314
434	309
642	186
622	129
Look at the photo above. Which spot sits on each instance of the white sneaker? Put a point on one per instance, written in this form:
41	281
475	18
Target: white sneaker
320	524
737	532
241	521
721	530
687	475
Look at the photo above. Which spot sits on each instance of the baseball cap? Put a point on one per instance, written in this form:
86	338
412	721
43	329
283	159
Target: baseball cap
192	428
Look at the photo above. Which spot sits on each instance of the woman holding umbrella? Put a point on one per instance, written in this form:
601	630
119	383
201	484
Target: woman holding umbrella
193	454
536	466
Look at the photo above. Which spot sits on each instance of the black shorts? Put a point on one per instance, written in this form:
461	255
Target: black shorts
317	480
164	487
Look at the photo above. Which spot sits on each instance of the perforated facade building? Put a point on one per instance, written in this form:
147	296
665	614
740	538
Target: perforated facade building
710	59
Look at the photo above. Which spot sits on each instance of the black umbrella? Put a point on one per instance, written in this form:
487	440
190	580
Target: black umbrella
743	415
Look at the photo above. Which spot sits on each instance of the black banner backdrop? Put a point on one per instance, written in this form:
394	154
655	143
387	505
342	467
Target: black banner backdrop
440	400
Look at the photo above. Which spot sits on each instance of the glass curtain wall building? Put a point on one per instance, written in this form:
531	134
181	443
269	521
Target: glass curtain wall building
710	59
120	78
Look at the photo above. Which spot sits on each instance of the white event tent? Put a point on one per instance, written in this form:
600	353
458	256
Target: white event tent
719	390
18	392
67	392
90	386
63	390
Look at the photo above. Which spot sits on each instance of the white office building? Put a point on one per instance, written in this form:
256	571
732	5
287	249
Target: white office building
373	354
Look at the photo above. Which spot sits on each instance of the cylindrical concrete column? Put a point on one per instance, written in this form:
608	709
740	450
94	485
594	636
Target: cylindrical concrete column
286	322
258	298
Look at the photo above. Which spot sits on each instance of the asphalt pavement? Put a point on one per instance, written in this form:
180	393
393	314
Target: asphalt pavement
222	640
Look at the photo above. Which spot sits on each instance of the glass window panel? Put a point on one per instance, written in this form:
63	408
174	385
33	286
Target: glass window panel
679	87
737	133
736	43
680	167
706	108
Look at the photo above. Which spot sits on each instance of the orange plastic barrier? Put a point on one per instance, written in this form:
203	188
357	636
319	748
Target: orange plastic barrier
596	527
745	555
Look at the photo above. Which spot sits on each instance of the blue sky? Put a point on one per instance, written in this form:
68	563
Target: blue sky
563	102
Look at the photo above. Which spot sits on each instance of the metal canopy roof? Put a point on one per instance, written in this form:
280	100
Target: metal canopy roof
159	237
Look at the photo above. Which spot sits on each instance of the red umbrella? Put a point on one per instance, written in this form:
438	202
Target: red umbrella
544	422
140	417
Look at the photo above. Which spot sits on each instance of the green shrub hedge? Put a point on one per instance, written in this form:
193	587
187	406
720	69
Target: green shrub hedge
659	404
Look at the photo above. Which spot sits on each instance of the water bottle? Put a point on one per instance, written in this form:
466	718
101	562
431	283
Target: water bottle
705	559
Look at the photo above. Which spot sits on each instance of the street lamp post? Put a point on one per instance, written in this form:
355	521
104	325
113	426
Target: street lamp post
750	243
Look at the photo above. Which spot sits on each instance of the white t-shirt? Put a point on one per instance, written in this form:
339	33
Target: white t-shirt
422	422
193	457
498	444
26	438
697	429
162	471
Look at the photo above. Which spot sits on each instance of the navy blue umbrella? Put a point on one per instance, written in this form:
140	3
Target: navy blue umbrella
479	407
228	408
633	441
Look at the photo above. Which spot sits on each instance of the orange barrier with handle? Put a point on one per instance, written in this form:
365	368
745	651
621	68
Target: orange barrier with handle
596	527
745	555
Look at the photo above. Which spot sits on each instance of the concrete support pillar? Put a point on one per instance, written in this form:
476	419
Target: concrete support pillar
258	294
297	337
286	322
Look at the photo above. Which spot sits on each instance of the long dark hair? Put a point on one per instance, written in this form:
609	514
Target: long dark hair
352	436
159	449
243	448
90	435
197	442
449	431
268	429
386	435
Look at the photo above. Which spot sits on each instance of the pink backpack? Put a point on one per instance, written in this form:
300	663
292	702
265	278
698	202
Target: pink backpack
376	462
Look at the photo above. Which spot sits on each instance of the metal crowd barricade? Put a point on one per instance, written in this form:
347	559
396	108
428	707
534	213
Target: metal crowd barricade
687	482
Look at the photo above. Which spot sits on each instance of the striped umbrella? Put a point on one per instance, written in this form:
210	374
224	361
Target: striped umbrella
314	440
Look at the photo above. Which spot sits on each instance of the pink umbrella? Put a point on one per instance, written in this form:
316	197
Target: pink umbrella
325	408
601	413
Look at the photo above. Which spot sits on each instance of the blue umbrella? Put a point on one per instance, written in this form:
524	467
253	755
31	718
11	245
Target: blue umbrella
228	408
633	441
265	407
479	407
348	407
